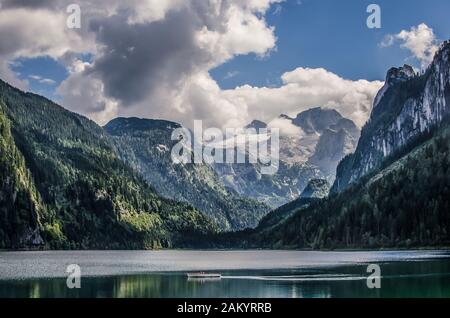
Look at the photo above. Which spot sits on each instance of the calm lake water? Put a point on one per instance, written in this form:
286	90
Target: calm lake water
244	274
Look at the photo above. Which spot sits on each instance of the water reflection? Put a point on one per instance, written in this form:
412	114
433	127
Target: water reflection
400	279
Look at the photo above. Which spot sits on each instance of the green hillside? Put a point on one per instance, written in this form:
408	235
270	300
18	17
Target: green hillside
69	188
404	204
145	145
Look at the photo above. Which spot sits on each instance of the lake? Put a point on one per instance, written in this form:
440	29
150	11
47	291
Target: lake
244	273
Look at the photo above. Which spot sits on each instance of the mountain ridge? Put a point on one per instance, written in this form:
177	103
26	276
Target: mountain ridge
89	198
324	137
146	144
408	105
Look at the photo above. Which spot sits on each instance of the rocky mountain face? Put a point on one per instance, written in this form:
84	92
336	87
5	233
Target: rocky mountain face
408	106
325	138
64	186
257	124
405	204
146	145
322	139
316	189
274	190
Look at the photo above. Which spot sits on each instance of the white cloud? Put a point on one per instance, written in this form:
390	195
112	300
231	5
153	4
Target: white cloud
231	74
152	59
85	94
9	76
35	32
305	88
170	76
419	40
42	80
286	127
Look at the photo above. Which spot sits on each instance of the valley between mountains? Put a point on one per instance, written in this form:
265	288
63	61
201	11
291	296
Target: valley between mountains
67	183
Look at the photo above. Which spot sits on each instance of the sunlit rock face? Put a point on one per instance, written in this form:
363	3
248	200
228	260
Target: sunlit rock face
317	140
146	146
406	107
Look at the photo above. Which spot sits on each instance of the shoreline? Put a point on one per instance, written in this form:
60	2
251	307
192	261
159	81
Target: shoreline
423	248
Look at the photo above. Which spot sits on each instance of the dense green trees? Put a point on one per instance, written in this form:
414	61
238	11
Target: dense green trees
64	186
20	204
145	145
405	204
90	198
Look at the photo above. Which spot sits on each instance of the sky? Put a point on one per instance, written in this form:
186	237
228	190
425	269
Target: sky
333	35
225	62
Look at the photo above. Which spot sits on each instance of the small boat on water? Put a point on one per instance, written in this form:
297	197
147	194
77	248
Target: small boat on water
203	275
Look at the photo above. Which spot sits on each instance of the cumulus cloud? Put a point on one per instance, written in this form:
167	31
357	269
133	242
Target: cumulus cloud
86	94
419	40
157	65
30	29
152	59
41	79
304	88
286	127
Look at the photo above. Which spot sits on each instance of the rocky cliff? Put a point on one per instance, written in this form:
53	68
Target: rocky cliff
407	107
320	138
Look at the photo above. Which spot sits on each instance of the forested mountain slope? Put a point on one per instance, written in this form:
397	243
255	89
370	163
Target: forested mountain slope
394	191
20	203
404	204
67	186
145	145
408	106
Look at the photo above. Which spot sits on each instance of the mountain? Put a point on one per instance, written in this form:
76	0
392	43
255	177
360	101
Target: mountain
375	212
270	222
274	190
394	191
145	145
316	188
316	120
406	108
64	186
256	124
333	145
20	203
322	139
338	136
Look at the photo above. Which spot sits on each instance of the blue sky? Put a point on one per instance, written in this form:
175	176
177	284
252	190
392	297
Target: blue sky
327	34
43	67
43	74
333	35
